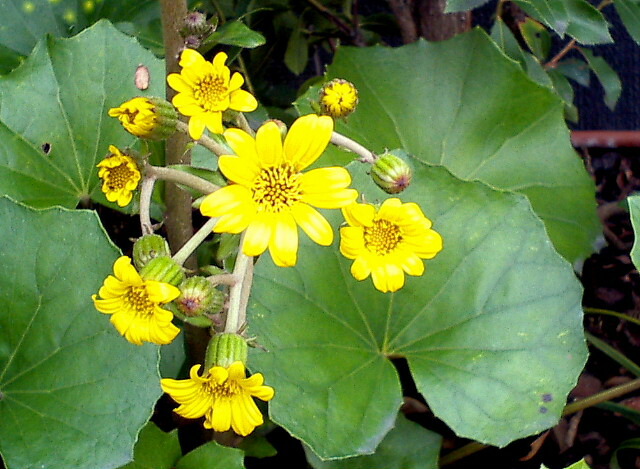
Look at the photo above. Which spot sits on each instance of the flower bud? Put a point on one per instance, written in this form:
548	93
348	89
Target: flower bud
148	118
195	24
149	247
338	98
198	296
225	349
163	269
391	173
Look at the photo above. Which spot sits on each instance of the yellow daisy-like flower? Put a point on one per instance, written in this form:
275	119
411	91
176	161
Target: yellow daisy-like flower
338	98
135	305
148	118
136	116
271	196
387	243
120	176
205	90
224	396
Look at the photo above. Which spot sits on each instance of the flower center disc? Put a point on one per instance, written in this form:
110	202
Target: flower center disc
210	92
276	189
382	237
119	176
138	300
227	389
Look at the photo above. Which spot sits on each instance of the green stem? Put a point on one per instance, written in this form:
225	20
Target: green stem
607	312
239	292
181	177
146	191
196	240
366	156
206	141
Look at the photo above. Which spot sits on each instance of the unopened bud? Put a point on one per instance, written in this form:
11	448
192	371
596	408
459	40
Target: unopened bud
149	247
225	349
198	296
391	173
195	24
338	98
149	118
163	269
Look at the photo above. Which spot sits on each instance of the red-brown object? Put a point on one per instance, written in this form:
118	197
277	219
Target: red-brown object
605	138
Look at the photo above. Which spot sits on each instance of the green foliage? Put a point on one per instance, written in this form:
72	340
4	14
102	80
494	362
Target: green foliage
60	96
510	135
496	301
406	446
73	392
634	211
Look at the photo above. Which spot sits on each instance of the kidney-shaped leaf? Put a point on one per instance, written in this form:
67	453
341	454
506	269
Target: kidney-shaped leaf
492	332
73	393
462	104
54	126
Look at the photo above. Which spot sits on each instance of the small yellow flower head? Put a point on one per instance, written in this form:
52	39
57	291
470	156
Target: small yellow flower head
135	305
148	118
270	196
224	396
387	243
120	176
338	98
205	90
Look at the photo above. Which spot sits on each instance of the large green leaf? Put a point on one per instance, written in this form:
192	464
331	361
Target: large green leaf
73	392
60	96
492	332
406	446
634	211
629	11
463	105
155	449
25	22
212	456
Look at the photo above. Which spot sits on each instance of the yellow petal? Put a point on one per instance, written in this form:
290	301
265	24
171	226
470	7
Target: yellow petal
322	180
352	241
221	416
126	272
411	263
226	200
236	82
335	199
269	144
283	245
160	292
307	138
213	121
388	277
191	57
257	236
242	144
178	83
239	170
219	60
243	101
196	127
359	214
360	268
313	223
234	223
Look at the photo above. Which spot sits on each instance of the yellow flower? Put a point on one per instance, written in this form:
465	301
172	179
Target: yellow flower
224	396
134	305
120	176
205	90
148	118
387	243
271	196
338	98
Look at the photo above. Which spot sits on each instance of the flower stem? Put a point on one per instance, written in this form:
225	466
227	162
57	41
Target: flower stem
192	244
241	121
181	177
239	292
206	141
146	191
366	156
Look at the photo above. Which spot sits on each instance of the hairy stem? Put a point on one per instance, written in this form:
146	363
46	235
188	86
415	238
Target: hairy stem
366	156
146	191
180	177
196	240
239	292
207	142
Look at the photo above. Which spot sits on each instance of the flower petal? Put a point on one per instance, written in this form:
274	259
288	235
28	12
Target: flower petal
213	121
313	224
196	127
243	101
226	200
239	170
269	144
388	277
283	245
242	144
258	235
359	214
360	268
307	138
221	415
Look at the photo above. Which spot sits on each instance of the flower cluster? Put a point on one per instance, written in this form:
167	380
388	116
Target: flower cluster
120	176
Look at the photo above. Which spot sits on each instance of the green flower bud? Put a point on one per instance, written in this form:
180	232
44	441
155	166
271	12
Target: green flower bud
224	349
198	296
195	24
149	247
163	269
391	173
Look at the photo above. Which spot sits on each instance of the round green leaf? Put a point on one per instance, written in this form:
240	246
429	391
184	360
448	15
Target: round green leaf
73	392
155	449
492	332
60	96
212	456
463	105
406	446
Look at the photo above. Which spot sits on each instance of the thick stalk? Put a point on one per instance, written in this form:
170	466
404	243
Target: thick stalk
366	155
